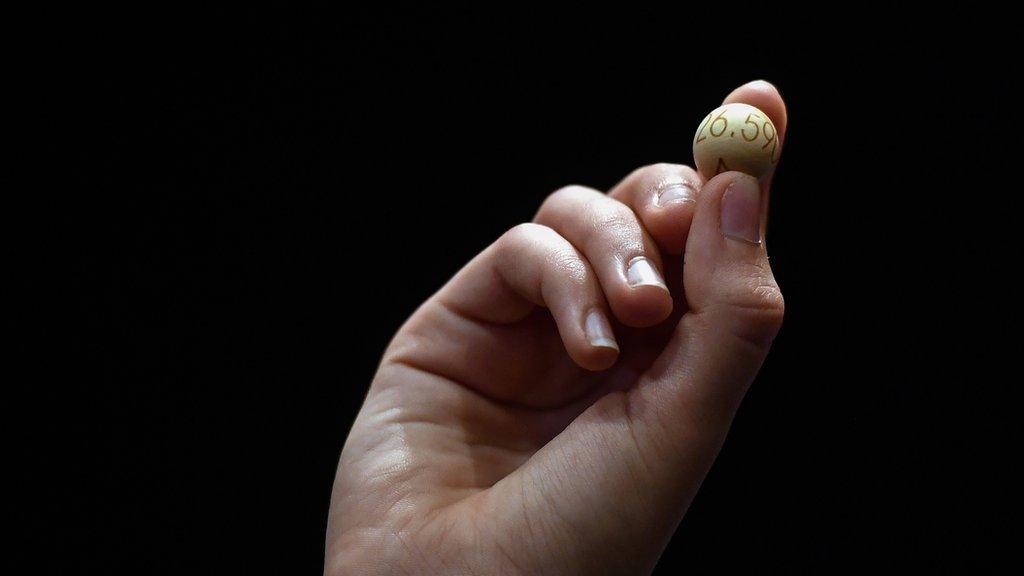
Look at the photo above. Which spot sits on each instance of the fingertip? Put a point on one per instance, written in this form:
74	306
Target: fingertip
643	298
766	96
600	349
669	223
757	86
664	197
676	190
647	306
599	357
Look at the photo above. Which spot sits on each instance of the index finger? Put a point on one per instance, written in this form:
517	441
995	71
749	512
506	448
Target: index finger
765	96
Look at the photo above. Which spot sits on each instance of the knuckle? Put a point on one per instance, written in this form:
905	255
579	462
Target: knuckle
765	306
607	214
652	174
570	190
758	305
524	233
591	217
559	200
539	244
612	225
569	265
517	240
656	168
610	214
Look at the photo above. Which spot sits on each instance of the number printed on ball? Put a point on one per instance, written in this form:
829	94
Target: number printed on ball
736	137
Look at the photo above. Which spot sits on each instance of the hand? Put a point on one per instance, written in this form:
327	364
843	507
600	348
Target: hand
554	407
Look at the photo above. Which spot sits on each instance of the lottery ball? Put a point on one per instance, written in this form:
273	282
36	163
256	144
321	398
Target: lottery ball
736	137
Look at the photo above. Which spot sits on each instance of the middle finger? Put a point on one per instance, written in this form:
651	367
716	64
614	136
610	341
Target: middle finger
625	258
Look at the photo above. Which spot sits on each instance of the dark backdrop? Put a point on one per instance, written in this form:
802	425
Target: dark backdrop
257	205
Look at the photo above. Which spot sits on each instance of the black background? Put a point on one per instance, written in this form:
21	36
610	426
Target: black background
255	205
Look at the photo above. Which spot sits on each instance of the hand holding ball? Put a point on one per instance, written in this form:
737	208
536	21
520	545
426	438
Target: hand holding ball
736	137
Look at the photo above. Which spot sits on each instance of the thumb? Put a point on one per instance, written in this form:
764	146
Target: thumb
616	482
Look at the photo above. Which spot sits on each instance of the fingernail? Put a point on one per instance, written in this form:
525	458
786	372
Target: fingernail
599	331
676	192
741	210
641	272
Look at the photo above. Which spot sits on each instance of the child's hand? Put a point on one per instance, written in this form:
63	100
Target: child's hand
554	408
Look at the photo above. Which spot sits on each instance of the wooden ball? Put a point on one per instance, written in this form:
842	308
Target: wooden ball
736	137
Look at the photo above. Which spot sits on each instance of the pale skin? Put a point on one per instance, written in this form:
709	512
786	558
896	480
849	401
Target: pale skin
555	406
